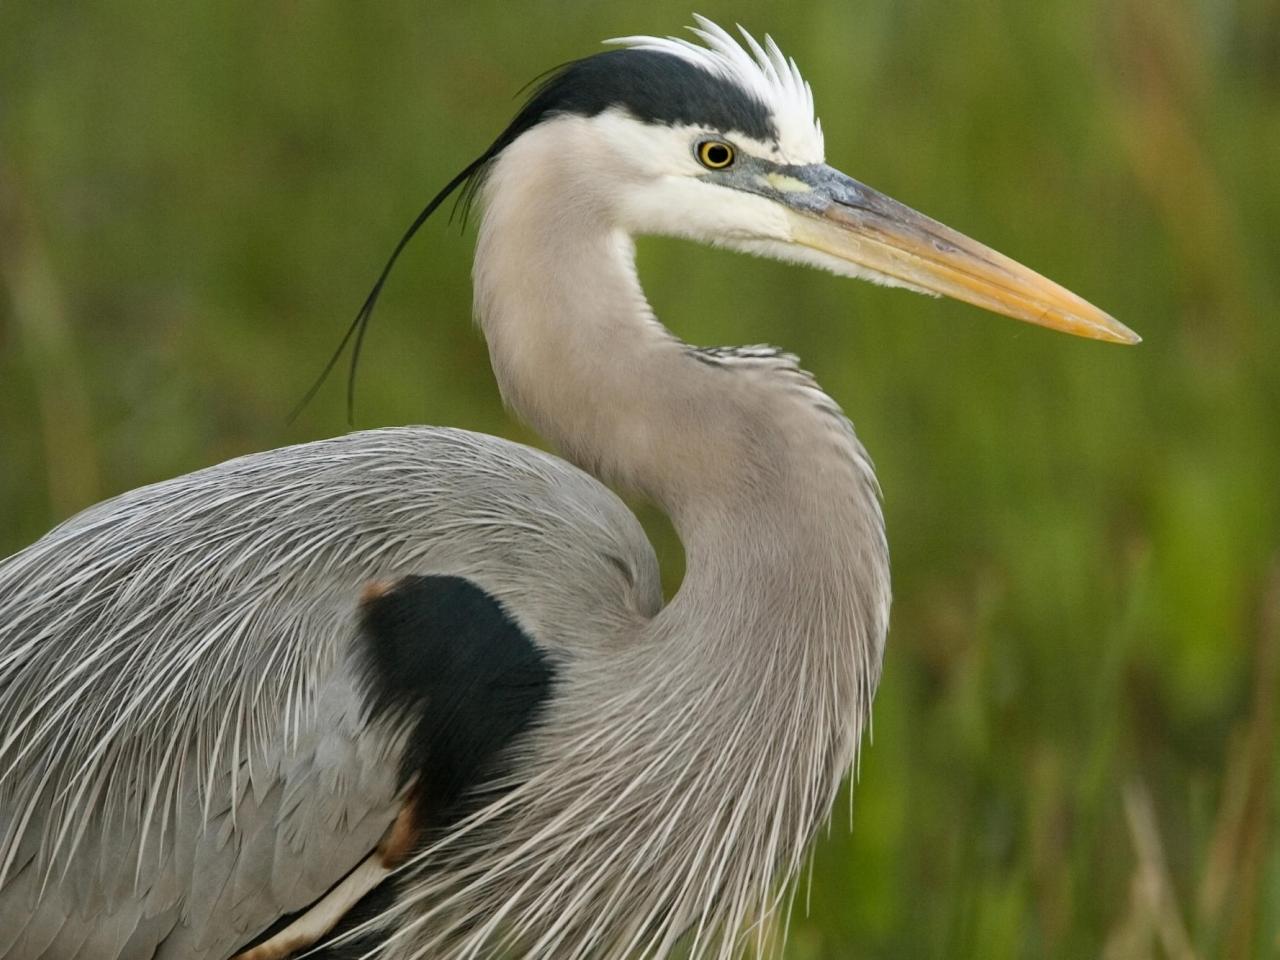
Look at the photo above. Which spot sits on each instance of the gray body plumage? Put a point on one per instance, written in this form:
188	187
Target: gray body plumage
689	750
177	662
189	745
187	752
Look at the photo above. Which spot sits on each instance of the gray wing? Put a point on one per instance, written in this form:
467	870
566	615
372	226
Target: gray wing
184	749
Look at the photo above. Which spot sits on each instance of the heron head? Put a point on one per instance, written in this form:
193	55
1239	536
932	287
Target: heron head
717	141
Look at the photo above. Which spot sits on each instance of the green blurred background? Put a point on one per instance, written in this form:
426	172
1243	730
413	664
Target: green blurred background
1075	748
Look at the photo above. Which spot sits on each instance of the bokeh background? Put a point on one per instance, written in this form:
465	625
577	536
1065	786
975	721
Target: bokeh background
1075	742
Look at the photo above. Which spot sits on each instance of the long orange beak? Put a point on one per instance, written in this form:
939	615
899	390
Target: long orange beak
842	218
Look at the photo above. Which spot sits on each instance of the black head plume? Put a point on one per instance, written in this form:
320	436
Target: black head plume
650	86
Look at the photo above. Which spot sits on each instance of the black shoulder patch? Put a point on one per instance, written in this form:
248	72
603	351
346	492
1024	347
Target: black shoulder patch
652	86
443	655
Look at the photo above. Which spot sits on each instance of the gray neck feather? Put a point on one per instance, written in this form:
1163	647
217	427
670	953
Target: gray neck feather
757	468
745	698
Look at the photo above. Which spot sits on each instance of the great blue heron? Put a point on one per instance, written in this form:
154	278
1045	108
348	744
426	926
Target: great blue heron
430	673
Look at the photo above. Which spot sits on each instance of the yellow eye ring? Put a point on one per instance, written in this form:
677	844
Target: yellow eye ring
715	154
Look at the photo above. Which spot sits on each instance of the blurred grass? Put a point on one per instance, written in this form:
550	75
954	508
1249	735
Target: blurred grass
1075	740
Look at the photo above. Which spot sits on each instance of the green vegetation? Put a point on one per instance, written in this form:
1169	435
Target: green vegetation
1075	742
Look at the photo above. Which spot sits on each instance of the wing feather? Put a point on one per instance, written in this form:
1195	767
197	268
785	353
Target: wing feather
185	754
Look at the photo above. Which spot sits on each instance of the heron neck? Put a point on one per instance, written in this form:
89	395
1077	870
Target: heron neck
580	357
758	470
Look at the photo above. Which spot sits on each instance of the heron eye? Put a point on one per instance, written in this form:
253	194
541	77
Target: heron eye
715	154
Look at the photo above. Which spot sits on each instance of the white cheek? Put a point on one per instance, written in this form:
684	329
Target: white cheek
645	150
683	206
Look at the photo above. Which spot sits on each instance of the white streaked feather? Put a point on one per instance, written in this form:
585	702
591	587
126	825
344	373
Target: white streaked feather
211	705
